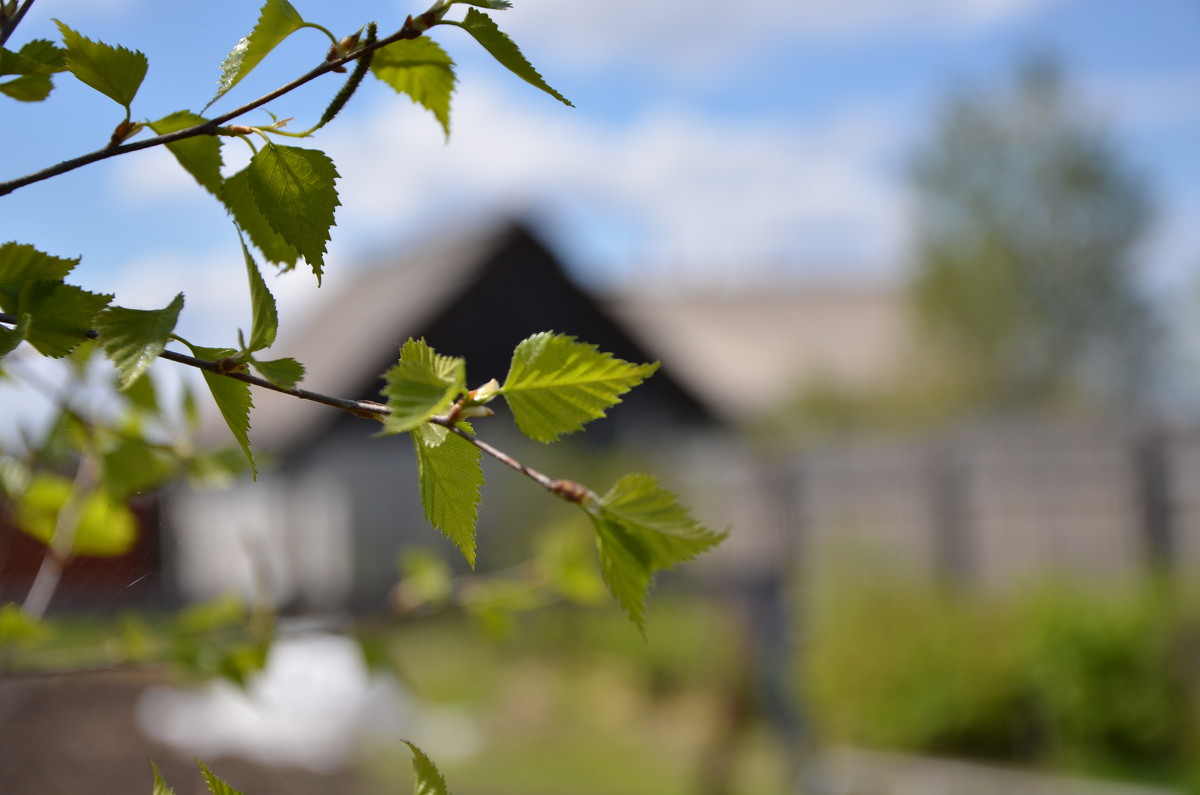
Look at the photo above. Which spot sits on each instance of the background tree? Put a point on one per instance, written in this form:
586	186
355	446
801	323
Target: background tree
1026	226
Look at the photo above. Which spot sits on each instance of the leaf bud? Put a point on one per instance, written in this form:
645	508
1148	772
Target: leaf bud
124	131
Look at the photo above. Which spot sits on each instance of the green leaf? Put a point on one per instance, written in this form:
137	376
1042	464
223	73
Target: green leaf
11	338
199	155
641	529
450	477
105	527
428	780
160	786
277	21
215	785
134	338
61	315
422	384
36	61
113	71
283	372
294	190
232	397
264	317
504	50
238	198
421	69
495	5
555	384
21	263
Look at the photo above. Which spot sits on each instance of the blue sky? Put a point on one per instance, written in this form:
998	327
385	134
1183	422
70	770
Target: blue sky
714	143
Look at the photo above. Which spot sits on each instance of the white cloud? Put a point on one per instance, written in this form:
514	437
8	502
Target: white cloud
698	190
716	33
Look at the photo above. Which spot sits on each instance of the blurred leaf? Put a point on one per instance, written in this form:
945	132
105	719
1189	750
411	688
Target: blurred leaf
641	529
134	466
220	613
16	627
422	384
239	199
143	395
113	71
199	155
450	476
426	578
421	69
277	21
134	338
216	470
105	526
504	50
294	190
555	385
428	780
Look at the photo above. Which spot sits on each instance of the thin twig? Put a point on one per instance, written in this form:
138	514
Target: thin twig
410	30
11	25
568	490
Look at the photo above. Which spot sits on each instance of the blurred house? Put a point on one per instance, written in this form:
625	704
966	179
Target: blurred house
325	526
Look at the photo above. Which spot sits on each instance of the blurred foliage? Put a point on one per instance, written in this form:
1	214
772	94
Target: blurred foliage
1027	218
1097	680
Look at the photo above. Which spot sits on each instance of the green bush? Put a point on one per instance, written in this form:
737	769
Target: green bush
1065	677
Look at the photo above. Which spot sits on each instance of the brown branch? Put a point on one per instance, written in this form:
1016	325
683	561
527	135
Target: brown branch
410	30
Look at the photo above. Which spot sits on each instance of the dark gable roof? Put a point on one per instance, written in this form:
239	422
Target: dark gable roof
476	298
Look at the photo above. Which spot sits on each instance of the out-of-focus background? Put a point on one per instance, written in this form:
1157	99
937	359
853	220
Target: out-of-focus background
923	276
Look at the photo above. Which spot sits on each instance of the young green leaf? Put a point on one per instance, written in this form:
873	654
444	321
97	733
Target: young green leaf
264	317
294	190
215	785
555	384
233	399
420	68
160	786
105	527
133	338
33	65
277	21
21	263
423	383
239	200
199	155
504	50
429	780
61	315
450	478
113	71
282	372
641	529
495	5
